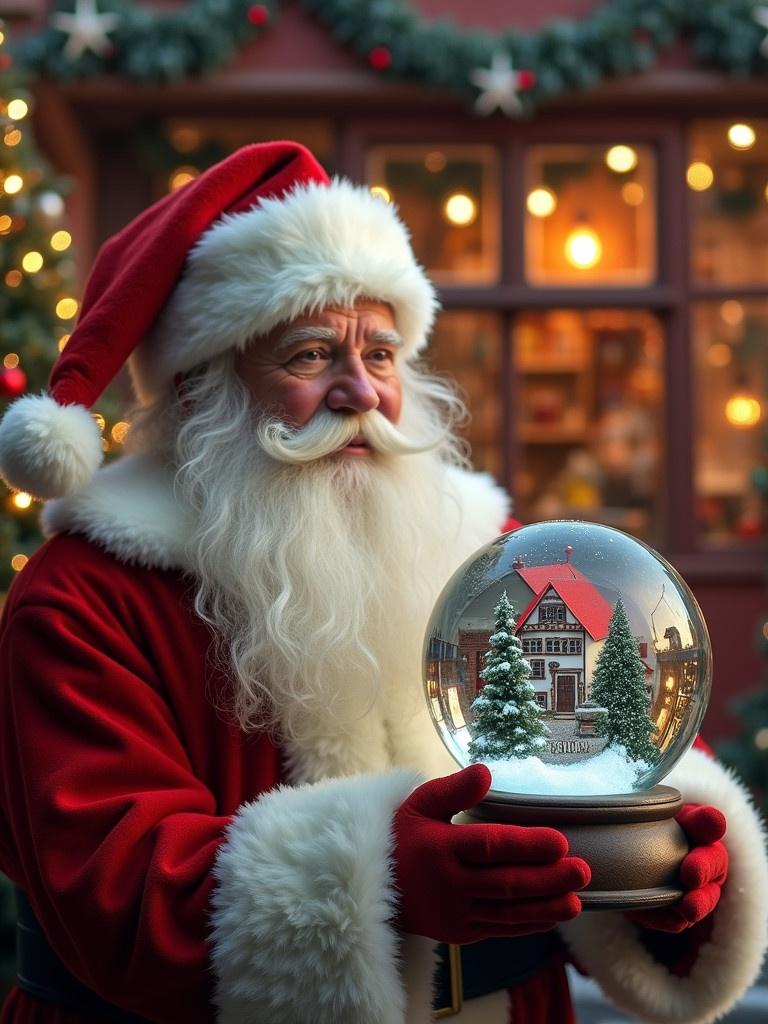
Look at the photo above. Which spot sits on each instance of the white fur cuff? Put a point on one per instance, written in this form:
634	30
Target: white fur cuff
301	930
608	946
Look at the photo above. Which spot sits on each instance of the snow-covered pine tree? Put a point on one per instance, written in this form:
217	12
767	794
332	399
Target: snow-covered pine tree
619	686
507	722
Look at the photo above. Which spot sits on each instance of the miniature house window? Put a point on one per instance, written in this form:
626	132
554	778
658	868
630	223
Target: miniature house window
574	646
533	647
537	668
551	613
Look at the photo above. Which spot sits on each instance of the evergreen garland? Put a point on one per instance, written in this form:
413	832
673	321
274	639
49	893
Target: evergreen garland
618	685
618	38
507	722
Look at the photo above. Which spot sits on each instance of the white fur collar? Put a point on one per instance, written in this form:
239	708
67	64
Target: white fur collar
130	510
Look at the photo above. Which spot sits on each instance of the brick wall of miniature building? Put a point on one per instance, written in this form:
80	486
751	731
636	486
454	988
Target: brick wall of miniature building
473	645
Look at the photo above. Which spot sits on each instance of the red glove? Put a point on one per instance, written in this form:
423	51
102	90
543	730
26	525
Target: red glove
703	872
463	883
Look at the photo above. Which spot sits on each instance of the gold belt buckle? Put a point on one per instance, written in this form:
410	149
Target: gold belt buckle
457	985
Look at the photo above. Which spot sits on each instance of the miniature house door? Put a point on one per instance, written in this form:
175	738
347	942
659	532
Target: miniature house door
565	693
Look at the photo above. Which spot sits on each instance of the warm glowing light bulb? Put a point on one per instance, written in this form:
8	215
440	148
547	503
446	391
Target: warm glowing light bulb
61	240
632	193
2	37
743	410
100	421
13	183
22	499
184	140
17	109
18	562
182	176
435	161
741	136
380	192
12	137
13	278
583	248
460	209
66	308
32	262
621	159
732	312
719	354
10	361
699	176
62	342
6	223
541	202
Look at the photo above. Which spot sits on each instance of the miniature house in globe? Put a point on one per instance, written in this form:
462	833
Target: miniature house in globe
575	662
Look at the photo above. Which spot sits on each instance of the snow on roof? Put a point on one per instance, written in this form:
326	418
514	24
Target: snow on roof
579	594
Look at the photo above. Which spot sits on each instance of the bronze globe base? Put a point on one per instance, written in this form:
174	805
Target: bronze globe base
631	841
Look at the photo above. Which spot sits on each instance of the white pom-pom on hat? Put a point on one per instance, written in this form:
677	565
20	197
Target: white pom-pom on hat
48	449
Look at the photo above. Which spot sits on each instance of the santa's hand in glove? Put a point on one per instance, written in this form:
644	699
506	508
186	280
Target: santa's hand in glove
463	883
703	872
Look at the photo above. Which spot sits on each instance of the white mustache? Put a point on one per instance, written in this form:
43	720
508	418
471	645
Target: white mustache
329	432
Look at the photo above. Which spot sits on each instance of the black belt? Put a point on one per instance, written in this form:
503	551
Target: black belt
481	968
463	972
41	974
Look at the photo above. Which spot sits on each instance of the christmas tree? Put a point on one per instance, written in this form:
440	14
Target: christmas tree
507	720
37	272
618	685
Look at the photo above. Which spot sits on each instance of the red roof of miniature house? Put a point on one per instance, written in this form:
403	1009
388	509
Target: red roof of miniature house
580	596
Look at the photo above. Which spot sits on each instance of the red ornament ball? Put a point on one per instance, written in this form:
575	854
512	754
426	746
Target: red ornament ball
380	58
13	382
258	14
526	79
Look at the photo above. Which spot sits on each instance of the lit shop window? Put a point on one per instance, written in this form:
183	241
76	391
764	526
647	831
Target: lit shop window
589	417
590	215
449	198
727	186
730	359
467	345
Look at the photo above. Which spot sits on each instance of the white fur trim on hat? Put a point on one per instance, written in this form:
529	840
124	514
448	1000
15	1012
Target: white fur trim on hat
318	246
48	449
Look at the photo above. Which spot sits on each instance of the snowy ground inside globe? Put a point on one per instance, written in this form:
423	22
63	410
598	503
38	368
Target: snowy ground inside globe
608	772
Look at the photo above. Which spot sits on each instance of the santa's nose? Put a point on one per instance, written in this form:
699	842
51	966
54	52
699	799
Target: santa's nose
352	391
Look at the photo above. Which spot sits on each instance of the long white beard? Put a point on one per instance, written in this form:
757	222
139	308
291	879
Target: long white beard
319	579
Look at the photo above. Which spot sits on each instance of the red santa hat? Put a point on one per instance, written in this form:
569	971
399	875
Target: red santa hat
257	240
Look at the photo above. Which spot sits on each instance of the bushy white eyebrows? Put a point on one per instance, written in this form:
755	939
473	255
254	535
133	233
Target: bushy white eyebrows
295	335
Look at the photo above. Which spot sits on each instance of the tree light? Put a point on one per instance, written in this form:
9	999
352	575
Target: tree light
541	202
22	499
13	183
119	431
182	176
460	209
18	562
583	248
61	240
66	308
17	109
380	192
32	262
633	193
10	361
12	137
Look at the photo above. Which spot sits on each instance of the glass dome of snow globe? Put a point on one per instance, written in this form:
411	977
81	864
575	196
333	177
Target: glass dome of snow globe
570	658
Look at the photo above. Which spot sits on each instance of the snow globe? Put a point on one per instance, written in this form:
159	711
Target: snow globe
574	661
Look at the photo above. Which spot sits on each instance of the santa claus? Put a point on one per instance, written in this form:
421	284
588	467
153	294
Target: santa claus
221	793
